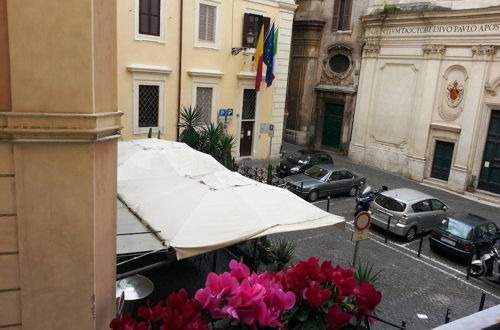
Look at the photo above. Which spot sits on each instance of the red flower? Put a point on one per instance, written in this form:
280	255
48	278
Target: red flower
149	314
126	323
367	298
336	318
315	296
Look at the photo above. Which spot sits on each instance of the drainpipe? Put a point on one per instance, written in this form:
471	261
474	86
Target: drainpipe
180	72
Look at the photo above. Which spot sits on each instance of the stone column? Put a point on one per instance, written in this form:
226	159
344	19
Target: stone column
306	41
58	164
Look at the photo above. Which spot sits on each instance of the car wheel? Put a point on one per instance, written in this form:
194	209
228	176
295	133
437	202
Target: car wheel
477	271
353	191
410	234
313	195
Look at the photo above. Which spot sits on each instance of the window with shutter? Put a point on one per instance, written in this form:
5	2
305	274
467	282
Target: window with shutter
204	102
341	19
206	24
251	26
149	17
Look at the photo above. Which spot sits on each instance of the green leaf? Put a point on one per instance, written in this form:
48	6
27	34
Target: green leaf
302	314
313	325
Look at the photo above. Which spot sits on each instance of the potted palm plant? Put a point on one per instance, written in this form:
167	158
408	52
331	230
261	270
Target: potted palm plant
471	187
283	252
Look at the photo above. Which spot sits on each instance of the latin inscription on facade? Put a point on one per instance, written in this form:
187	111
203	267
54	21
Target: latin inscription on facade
435	29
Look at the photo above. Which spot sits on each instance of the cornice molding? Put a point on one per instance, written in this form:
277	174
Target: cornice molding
59	127
445	127
145	68
205	73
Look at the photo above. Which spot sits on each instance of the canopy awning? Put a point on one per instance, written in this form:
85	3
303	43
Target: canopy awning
196	205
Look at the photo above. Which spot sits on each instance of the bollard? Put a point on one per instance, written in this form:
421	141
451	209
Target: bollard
403	324
481	304
214	262
301	187
447	317
387	228
254	257
328	204
420	245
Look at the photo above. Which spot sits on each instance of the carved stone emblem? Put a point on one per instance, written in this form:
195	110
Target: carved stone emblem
454	93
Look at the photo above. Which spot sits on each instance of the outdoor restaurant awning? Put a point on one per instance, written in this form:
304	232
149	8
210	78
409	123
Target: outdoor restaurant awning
196	205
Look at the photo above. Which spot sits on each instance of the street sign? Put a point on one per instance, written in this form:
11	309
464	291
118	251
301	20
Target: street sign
362	220
359	236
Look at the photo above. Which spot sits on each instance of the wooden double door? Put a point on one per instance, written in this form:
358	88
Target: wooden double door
489	178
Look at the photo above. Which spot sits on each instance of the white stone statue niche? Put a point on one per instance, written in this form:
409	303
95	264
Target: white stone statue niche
452	92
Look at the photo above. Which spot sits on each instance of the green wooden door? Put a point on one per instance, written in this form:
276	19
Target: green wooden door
441	164
332	125
490	172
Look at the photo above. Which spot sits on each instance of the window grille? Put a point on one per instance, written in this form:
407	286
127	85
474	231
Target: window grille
149	17
249	102
204	103
206	26
148	105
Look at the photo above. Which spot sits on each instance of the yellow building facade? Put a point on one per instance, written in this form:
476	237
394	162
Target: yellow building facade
174	54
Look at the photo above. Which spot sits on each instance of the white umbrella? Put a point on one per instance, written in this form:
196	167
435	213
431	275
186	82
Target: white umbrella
203	206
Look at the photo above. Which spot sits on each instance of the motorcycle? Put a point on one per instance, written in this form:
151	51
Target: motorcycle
486	262
366	197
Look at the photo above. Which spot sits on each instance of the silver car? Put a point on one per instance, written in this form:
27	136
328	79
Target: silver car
411	212
323	180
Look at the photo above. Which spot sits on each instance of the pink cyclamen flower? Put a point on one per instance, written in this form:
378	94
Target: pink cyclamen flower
367	298
239	270
336	318
315	296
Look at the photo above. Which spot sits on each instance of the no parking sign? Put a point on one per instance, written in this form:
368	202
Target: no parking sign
362	221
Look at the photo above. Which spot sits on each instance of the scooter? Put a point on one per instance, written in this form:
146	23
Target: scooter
486	262
366	197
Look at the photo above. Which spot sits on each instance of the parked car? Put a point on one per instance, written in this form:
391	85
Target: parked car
324	180
301	160
458	235
411	212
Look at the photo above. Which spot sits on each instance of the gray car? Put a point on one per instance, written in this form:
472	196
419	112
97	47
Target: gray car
323	180
411	212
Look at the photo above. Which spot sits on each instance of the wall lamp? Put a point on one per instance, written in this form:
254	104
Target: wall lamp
250	40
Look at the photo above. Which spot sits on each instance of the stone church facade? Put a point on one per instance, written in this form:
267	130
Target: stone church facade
428	104
324	72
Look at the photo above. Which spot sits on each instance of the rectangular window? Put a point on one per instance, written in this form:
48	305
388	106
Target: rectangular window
251	29
149	103
207	21
149	93
204	102
249	102
342	15
149	17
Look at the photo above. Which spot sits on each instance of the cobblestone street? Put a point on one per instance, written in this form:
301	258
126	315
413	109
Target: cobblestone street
410	285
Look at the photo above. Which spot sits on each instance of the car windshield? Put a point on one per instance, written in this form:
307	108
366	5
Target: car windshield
390	203
457	228
316	172
298	156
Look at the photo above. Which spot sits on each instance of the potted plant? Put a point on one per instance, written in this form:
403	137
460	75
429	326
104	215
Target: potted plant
312	139
283	252
471	186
